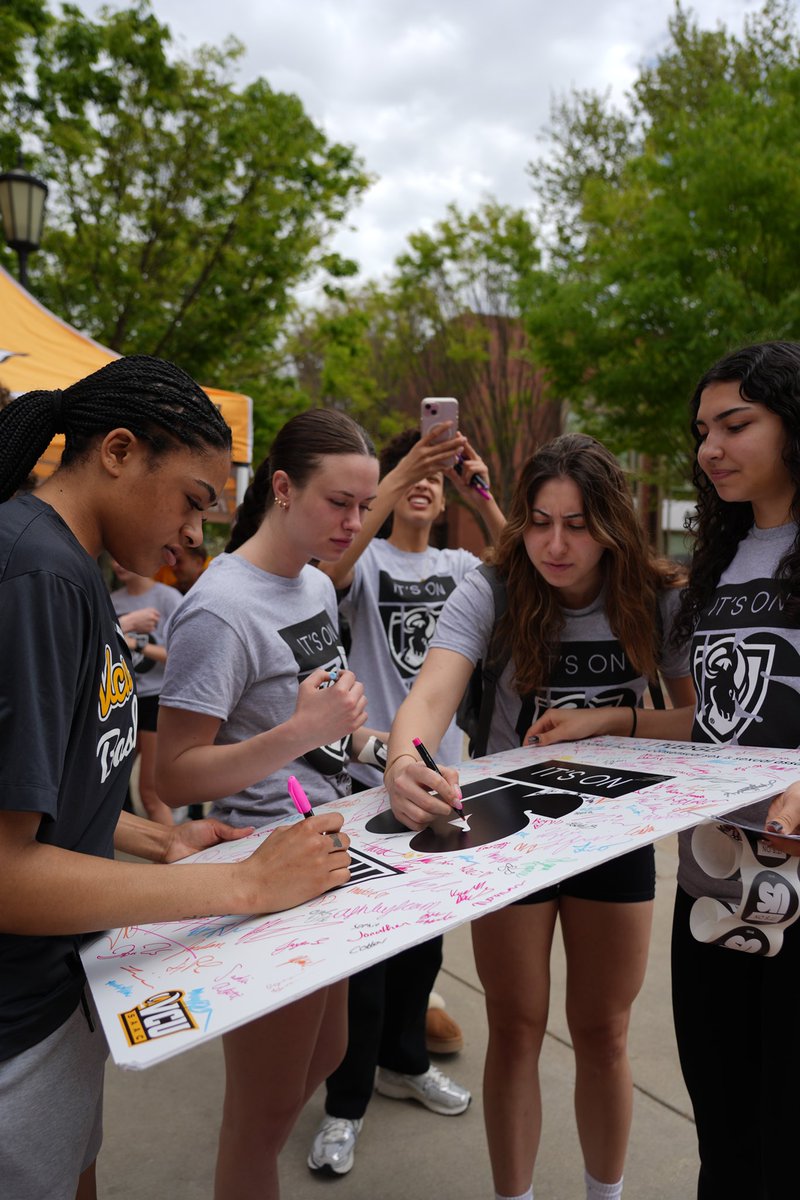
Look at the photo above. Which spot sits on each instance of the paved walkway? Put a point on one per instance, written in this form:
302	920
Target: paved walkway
161	1124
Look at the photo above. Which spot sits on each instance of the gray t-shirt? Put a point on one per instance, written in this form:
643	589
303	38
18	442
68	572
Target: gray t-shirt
392	607
238	647
592	670
746	671
166	600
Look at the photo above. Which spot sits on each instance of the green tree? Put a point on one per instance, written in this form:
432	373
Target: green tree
184	210
675	228
21	22
446	323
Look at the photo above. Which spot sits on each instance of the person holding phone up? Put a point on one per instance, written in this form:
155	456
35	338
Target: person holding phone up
393	590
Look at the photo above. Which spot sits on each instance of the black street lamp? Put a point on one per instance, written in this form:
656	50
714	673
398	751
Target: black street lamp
22	199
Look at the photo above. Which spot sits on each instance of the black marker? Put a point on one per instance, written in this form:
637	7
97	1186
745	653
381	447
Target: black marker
428	760
476	481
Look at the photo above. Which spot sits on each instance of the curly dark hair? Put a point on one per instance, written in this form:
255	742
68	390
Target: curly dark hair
767	373
633	575
396	449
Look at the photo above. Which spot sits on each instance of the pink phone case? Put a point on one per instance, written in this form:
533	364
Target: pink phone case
433	410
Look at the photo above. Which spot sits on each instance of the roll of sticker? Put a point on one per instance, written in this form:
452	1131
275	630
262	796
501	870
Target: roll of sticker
770	900
717	853
712	922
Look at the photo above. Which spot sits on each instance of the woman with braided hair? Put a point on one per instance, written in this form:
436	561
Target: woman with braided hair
146	453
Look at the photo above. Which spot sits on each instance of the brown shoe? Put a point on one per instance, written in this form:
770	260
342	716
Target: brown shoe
442	1033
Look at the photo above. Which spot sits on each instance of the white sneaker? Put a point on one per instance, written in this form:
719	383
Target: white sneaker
334	1145
433	1089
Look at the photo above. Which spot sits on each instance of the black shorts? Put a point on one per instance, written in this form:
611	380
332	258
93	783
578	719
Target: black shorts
148	713
629	879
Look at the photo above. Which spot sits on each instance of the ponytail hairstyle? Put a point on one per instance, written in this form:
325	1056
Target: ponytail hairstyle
767	373
298	448
632	575
157	401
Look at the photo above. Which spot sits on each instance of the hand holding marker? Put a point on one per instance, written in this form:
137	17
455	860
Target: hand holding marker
476	481
303	805
301	801
427	758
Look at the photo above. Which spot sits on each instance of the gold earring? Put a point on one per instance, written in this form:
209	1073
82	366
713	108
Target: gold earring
281	503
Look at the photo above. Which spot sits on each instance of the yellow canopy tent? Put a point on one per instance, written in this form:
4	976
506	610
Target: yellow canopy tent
39	350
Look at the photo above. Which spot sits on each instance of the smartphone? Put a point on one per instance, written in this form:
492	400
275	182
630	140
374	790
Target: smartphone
433	410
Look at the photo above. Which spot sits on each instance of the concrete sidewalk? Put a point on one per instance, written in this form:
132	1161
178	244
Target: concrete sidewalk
161	1124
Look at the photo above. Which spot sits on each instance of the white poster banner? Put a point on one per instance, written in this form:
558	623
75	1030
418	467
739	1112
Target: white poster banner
531	817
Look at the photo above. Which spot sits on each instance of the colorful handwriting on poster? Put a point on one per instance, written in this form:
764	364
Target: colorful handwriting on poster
531	817
501	805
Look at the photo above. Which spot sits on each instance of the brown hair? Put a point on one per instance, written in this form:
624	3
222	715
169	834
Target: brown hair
632	575
297	449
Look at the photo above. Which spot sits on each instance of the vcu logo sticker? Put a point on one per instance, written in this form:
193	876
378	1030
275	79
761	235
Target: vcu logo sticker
157	1017
116	685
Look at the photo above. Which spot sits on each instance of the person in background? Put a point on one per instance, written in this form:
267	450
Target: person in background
146	454
588	621
135	603
391	592
187	569
189	566
190	562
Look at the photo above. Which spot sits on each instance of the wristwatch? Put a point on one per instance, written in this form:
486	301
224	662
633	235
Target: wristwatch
142	640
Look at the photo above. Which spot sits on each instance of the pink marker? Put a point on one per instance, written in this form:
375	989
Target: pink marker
477	481
427	758
301	801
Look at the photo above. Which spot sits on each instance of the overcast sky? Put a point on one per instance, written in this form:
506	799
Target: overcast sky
444	99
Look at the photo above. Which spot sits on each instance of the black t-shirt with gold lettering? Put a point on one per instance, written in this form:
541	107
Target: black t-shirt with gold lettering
67	736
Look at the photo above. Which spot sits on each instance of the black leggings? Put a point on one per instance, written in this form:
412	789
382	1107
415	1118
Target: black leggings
736	1025
386	1009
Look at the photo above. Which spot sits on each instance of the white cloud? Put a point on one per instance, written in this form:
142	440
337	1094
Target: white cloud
444	99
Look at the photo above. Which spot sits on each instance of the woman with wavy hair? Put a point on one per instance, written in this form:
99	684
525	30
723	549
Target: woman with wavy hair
735	944
588	615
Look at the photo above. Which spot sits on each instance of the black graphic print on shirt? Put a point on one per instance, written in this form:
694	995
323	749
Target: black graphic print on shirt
409	611
315	643
745	675
586	675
